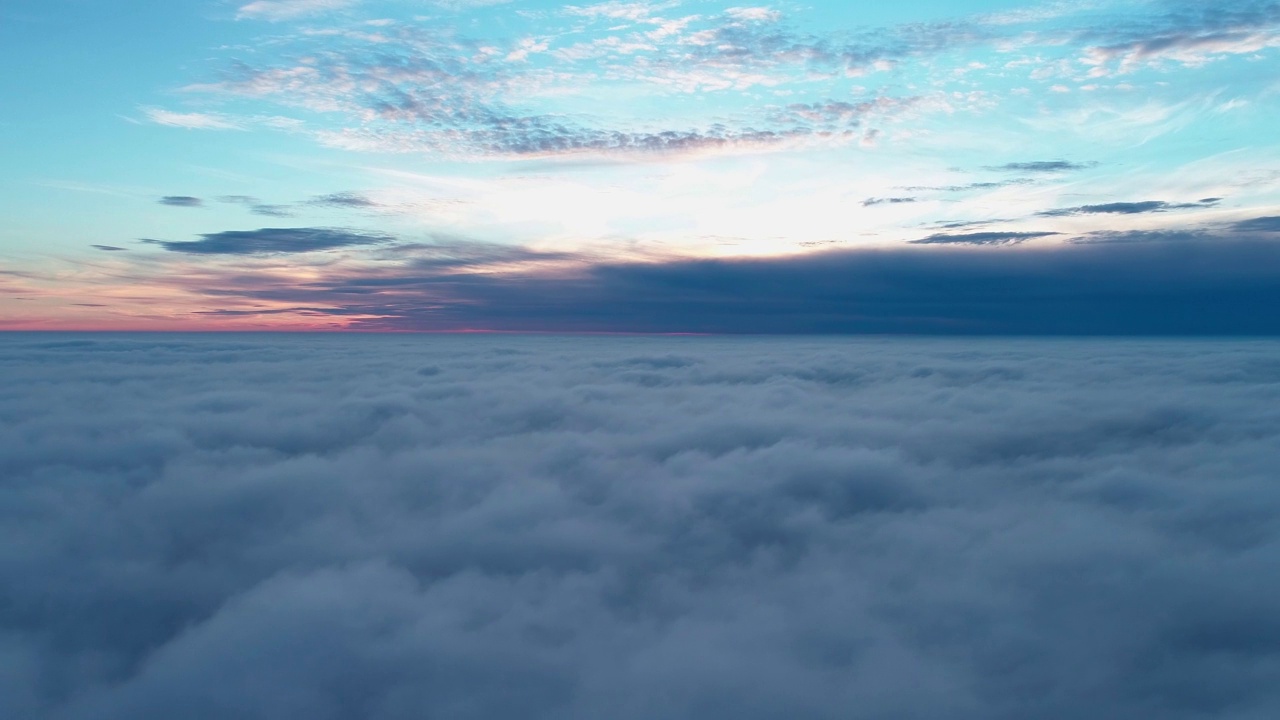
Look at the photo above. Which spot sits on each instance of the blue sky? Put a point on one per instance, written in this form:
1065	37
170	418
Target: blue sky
208	164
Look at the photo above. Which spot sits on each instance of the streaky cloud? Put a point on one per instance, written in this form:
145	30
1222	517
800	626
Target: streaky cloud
982	238
181	201
343	200
1130	208
273	240
1043	166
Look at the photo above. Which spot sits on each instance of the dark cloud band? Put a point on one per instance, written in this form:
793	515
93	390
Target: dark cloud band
272	240
1118	285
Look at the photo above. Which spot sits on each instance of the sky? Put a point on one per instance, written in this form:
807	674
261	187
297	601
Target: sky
665	166
472	527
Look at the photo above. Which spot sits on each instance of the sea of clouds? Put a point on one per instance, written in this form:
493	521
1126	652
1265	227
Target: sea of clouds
411	527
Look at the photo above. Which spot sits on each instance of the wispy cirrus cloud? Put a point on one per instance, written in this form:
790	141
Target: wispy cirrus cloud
414	90
1042	166
869	202
982	238
343	200
191	121
1130	208
279	10
258	207
1186	49
1185	33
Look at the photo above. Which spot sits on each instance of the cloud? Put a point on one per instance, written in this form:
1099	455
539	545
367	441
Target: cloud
545	137
1190	49
754	14
343	200
181	201
1259	224
277	10
417	90
191	121
888	201
109	248
392	528
834	115
981	238
273	240
1043	166
1127	285
271	210
257	207
1130	208
619	9
985	185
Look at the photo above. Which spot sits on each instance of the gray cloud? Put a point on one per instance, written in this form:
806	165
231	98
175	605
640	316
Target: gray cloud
1259	224
888	201
273	240
1043	166
1130	208
343	200
392	528
1117	284
271	210
981	238
985	185
109	248
181	201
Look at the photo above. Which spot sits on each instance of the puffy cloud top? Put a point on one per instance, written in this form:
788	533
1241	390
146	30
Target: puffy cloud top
392	527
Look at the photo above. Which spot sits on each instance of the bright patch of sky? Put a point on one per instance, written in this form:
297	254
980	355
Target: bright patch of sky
636	130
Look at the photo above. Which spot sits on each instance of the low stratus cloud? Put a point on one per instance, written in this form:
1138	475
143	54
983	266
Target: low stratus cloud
272	240
392	528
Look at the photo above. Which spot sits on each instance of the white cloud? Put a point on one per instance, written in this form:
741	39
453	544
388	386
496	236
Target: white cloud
620	10
753	14
191	121
1187	50
276	10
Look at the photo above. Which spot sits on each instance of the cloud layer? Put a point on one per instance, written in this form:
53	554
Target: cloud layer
1114	284
391	528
